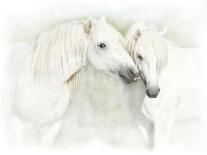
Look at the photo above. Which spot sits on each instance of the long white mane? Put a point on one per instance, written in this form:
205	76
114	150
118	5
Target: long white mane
60	51
147	33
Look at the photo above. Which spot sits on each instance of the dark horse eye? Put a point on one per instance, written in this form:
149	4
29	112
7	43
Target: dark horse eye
102	45
139	57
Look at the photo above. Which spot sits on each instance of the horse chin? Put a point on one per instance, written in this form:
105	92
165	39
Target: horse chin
151	96
125	80
121	77
113	74
118	77
128	81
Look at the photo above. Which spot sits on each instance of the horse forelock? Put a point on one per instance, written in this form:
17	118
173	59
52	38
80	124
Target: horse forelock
150	36
161	50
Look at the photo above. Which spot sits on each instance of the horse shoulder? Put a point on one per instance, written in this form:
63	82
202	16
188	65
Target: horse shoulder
35	100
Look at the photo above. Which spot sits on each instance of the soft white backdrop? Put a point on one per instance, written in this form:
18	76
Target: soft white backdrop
23	20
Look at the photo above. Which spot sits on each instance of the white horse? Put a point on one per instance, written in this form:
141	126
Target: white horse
45	74
171	80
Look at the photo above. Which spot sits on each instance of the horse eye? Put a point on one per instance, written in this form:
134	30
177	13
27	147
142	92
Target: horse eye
139	56
102	45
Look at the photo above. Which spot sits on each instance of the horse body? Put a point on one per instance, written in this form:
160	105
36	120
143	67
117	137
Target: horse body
179	81
47	72
33	106
180	96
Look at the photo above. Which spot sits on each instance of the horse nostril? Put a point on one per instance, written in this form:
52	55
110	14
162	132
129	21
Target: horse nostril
129	74
153	93
133	73
137	75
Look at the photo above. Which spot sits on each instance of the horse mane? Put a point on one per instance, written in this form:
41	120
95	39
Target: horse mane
149	30
60	51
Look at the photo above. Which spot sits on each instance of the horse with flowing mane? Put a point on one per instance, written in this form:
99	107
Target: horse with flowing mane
171	79
45	74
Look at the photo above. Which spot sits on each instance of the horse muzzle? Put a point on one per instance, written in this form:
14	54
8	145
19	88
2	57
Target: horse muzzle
129	75
153	92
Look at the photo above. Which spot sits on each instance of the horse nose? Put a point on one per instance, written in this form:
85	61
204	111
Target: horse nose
133	74
129	74
153	92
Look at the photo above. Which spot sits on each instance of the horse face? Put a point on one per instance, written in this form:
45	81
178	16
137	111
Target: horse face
146	61
106	52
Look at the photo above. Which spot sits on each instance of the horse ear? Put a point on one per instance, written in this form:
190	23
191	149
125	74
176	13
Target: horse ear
163	30
137	35
88	25
103	19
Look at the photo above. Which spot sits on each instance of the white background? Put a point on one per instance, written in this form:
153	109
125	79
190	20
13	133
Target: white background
22	20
